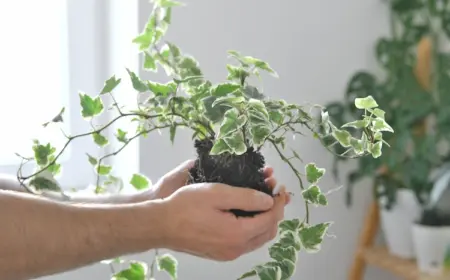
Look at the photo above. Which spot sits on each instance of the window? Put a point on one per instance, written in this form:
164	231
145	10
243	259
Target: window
34	72
51	51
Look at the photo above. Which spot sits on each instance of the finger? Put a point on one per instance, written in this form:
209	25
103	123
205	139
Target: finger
261	223
259	241
227	197
186	165
271	182
268	171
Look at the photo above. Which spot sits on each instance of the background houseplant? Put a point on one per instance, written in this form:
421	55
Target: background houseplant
234	114
414	91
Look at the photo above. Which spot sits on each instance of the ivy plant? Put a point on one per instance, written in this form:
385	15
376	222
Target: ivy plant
414	91
234	116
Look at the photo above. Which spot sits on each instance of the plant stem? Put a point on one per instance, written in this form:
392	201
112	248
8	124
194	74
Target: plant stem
296	172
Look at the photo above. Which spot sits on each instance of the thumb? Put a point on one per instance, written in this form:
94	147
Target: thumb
226	197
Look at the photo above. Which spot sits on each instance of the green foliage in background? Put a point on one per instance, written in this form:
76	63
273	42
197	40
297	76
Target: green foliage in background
235	114
414	91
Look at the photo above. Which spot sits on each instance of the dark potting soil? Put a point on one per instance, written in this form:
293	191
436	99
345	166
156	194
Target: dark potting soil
244	171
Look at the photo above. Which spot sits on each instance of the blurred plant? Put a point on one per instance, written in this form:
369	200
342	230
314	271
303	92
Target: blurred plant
415	94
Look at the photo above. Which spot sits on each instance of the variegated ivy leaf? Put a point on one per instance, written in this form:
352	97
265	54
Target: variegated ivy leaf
366	103
232	122
223	89
267	272
313	173
380	124
257	113
357	124
220	147
290	225
259	134
279	253
311	237
315	196
290	239
375	149
136	271
357	145
377	112
343	137
236	142
325	122
169	264
230	101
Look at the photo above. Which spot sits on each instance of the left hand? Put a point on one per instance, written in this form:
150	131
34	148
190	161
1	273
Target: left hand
178	177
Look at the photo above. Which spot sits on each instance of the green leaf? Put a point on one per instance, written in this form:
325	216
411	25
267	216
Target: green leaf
110	85
147	37
149	62
247	275
357	124
279	253
375	149
313	173
103	169
90	106
136	271
290	225
377	112
42	153
253	92
140	182
232	121
121	136
315	196
100	139
168	264
248	60
343	137
259	134
173	130
220	147
289	239
57	118
162	89
357	145
137	83
214	114
231	101
268	272
168	16
224	89
42	183
236	73
92	160
312	236
276	117
365	102
380	124
236	142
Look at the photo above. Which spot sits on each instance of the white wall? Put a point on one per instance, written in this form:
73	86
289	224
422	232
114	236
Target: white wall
315	46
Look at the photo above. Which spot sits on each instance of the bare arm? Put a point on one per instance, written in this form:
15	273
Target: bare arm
10	183
42	237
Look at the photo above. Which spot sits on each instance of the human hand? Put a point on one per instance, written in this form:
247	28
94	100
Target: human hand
198	222
178	177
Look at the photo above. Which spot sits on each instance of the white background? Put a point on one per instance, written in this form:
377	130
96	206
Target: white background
314	45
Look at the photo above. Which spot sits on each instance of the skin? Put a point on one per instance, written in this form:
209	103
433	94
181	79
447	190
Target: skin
42	236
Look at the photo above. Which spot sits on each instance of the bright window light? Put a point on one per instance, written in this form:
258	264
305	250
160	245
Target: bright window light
34	74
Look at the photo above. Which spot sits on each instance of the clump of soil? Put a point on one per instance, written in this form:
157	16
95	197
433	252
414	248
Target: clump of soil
245	171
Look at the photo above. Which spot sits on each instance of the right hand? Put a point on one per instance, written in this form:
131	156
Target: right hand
199	224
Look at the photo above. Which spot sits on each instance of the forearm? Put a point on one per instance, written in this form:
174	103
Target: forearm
10	183
40	237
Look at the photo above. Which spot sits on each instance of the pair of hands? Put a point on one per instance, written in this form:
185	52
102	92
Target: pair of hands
199	224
